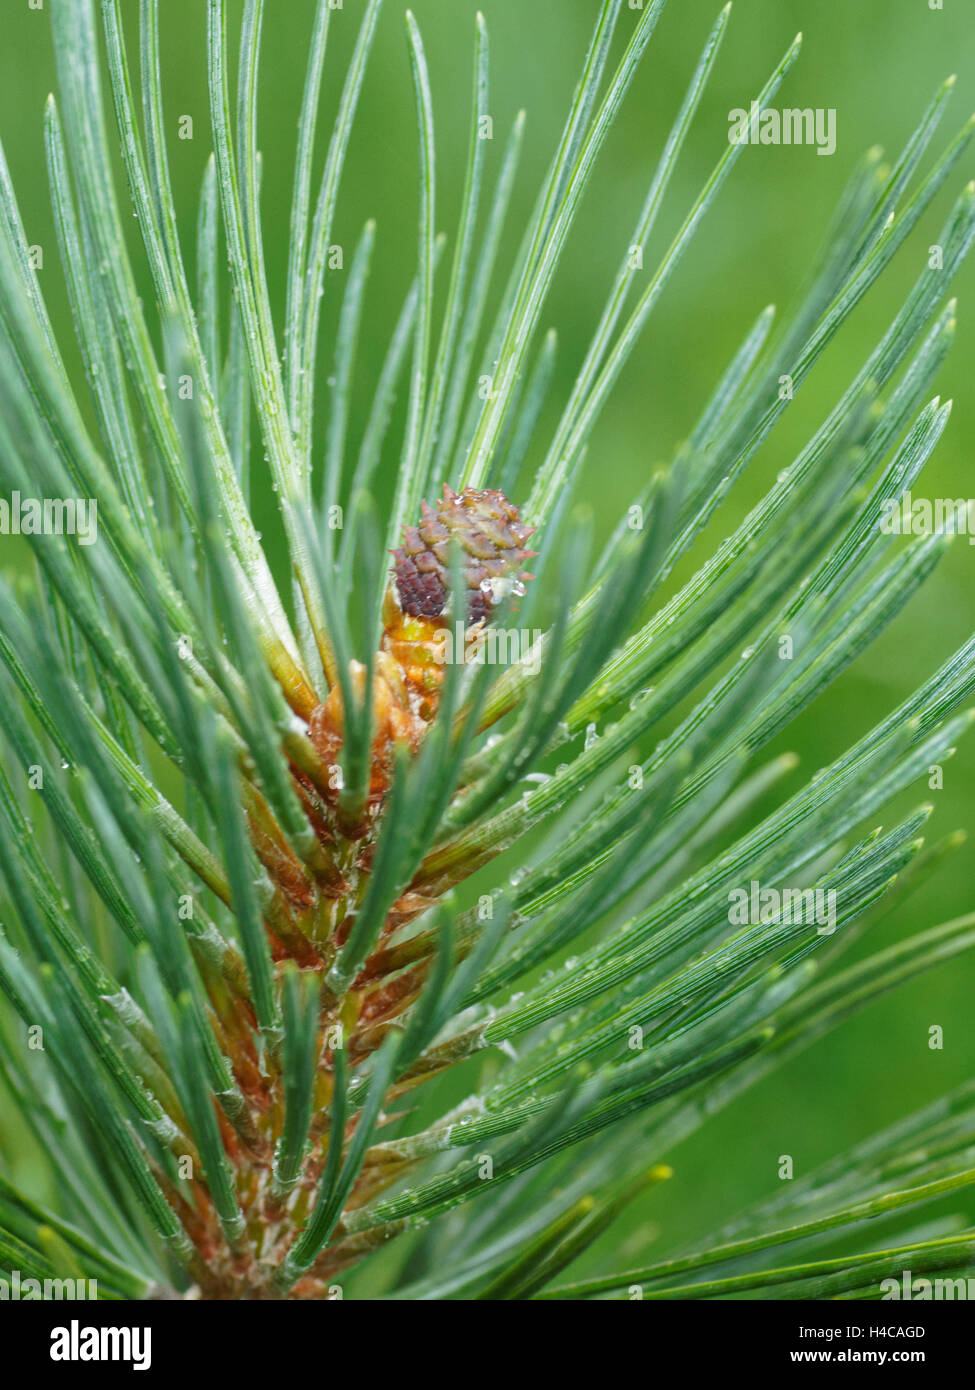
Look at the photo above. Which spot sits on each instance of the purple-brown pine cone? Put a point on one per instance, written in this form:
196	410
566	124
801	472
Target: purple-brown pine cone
492	541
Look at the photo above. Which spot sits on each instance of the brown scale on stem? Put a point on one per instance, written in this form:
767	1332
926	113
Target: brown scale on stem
318	889
408	674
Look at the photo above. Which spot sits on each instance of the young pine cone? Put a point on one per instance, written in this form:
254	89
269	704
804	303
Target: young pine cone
410	666
491	537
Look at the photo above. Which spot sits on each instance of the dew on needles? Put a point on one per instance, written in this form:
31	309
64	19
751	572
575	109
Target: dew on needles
264	929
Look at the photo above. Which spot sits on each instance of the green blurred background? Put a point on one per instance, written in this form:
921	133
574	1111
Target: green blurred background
878	62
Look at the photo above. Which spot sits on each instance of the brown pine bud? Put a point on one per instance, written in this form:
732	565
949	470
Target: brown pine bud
492	541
